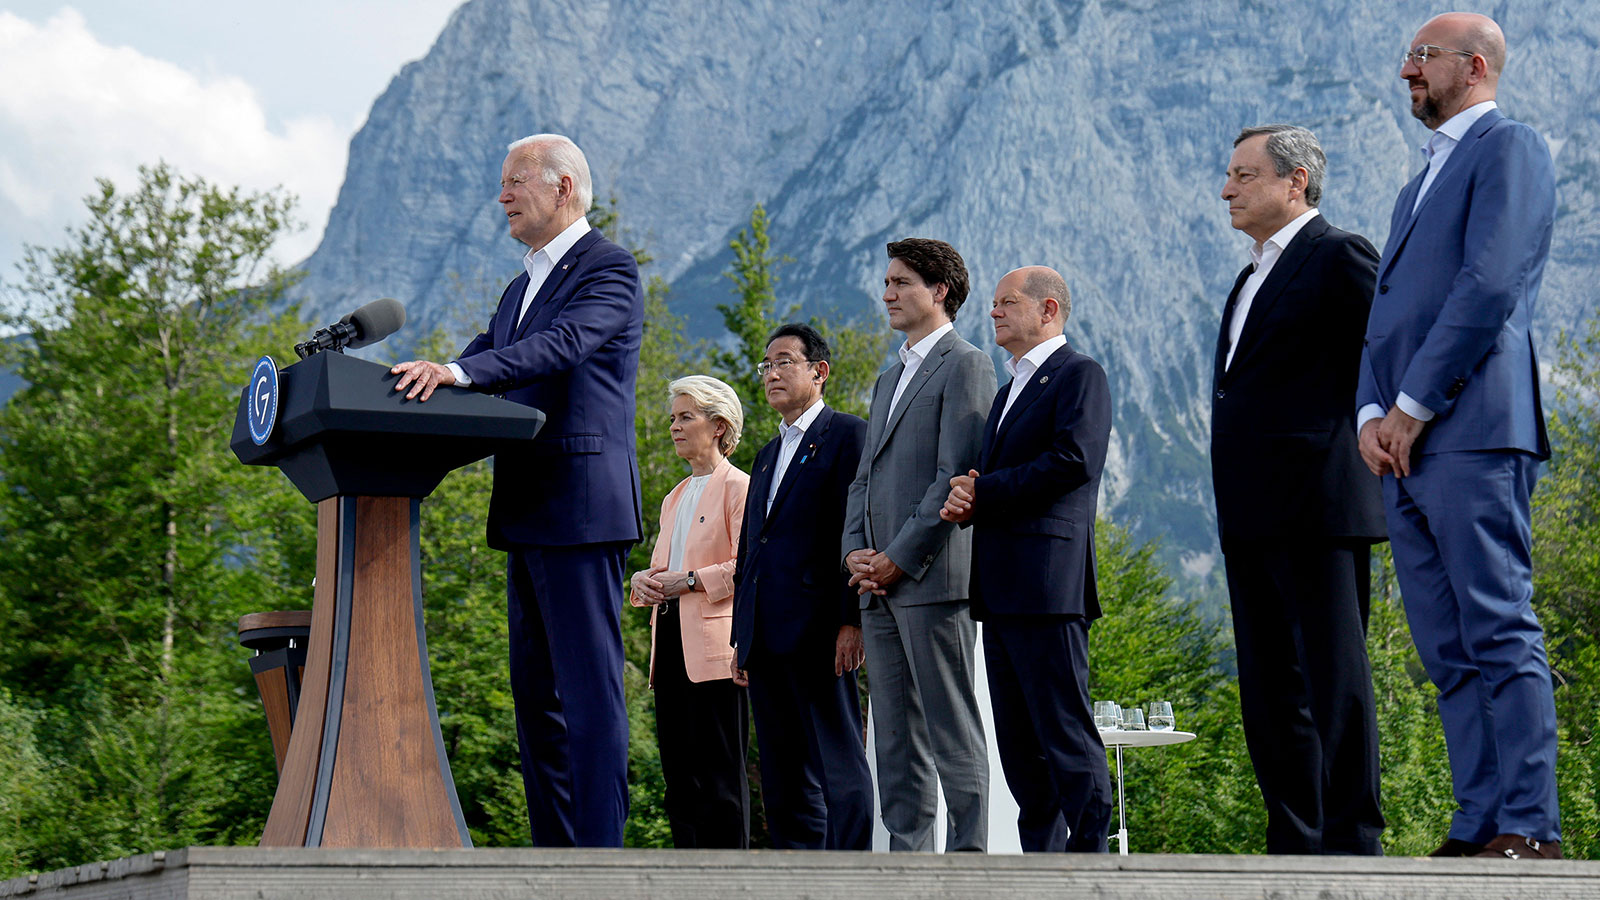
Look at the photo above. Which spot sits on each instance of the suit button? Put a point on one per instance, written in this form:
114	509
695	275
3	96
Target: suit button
1221	393
1383	289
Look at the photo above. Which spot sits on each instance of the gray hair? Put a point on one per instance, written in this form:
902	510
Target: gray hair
1048	283
715	399
557	155
1292	147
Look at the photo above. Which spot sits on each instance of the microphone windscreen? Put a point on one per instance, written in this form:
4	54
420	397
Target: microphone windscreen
376	321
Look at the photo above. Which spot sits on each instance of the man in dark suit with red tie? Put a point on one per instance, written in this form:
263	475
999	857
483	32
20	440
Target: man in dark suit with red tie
1296	507
565	340
796	619
1032	509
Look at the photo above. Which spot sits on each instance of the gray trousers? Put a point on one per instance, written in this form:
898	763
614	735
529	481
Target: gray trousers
920	668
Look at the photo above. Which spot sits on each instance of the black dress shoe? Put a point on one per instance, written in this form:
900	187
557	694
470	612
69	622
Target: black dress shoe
1454	847
1515	846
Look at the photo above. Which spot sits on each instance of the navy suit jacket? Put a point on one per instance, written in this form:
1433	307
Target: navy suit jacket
790	595
1034	511
1284	462
1456	290
574	356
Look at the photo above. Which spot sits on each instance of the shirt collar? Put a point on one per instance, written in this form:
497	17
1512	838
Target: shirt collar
1035	358
801	424
1457	127
557	248
924	346
1280	240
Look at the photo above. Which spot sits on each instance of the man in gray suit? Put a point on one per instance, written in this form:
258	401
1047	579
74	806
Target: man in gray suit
911	567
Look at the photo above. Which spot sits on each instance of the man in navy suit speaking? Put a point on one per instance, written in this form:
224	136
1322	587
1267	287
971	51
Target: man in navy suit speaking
564	339
1448	413
1033	582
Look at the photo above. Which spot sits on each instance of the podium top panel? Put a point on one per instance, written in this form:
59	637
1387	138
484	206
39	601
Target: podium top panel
333	397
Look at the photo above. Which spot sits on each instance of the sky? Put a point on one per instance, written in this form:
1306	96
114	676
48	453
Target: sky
255	95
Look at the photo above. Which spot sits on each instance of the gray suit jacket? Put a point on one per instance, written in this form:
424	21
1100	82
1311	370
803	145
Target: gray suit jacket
912	452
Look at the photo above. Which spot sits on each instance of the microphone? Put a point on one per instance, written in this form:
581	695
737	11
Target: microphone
367	325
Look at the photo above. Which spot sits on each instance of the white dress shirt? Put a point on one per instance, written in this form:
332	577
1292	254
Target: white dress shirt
684	520
1443	142
1438	149
539	264
1021	370
1265	256
912	357
790	436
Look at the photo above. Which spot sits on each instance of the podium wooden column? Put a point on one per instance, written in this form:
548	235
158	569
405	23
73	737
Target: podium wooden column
366	764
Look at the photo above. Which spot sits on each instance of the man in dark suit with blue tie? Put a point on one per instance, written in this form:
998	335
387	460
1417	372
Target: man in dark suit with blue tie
564	339
1448	413
1298	569
1032	503
796	619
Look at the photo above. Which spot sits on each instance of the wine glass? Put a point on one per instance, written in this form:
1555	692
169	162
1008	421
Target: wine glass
1161	716
1107	715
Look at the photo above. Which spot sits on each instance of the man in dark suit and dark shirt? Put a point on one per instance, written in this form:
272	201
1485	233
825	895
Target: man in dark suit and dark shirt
1296	507
1033	578
796	619
565	340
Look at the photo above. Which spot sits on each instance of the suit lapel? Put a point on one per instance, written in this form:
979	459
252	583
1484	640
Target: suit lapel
761	482
936	357
553	281
810	445
1032	390
1465	148
1283	271
511	304
1221	358
989	428
882	396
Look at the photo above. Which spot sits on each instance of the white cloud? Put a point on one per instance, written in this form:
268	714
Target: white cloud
73	109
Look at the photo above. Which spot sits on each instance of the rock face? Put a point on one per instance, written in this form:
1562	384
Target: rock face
1089	136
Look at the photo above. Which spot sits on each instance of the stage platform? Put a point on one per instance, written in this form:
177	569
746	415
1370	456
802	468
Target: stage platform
238	873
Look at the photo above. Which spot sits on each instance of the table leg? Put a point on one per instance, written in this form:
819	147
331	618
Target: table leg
1122	810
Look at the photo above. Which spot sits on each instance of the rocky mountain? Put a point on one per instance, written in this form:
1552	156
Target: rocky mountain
1090	136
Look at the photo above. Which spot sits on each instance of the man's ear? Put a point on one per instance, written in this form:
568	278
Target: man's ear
1052	309
822	372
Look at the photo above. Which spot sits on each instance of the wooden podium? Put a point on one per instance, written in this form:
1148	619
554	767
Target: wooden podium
365	765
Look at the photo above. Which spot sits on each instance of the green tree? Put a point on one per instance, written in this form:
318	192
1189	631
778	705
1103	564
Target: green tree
1566	519
1198	797
132	540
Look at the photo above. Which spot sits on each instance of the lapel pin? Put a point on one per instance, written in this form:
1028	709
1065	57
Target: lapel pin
1043	378
702	519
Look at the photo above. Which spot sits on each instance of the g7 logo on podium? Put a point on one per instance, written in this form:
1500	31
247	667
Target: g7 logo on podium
262	400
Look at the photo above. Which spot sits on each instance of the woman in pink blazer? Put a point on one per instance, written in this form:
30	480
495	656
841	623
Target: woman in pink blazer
702	717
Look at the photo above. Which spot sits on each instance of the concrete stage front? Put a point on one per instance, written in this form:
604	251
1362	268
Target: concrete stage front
249	873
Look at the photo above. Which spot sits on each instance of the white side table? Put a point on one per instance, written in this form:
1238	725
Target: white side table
1117	740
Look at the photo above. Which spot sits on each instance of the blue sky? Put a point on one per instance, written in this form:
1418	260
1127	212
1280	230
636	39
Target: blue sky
257	95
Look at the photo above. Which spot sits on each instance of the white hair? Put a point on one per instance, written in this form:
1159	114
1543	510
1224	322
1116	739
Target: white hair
717	401
556	156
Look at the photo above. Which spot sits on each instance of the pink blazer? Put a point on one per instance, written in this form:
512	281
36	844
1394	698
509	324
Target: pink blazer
713	544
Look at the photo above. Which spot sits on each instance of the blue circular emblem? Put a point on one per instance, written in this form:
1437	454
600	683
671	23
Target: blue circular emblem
261	400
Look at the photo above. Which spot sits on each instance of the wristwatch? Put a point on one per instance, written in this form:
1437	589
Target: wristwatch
693	581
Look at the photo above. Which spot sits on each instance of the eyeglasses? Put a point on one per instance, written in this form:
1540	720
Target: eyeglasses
1419	56
782	364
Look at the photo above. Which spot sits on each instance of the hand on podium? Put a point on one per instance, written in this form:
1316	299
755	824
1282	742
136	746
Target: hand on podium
423	377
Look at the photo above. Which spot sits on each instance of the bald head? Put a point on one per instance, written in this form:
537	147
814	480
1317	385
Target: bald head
1031	305
1476	34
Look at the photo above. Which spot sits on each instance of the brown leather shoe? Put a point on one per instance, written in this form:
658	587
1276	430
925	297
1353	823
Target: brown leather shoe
1515	846
1455	847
